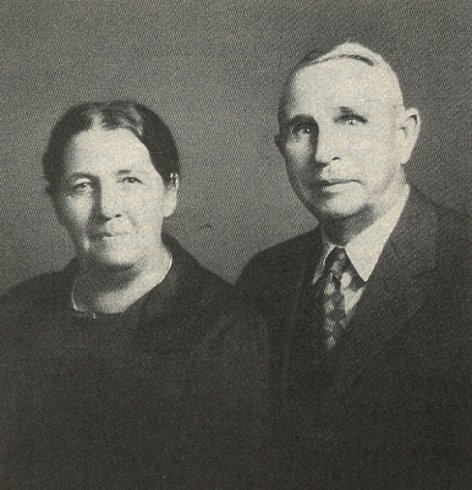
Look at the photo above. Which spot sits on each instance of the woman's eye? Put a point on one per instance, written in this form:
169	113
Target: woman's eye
303	129
81	186
351	121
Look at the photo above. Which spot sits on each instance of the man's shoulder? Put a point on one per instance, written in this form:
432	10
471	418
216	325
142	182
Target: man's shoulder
454	240
426	224
278	266
284	253
452	228
439	236
456	221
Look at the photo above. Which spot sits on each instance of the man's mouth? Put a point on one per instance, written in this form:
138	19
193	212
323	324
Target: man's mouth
107	234
327	183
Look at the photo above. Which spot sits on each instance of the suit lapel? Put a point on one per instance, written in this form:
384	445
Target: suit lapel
396	289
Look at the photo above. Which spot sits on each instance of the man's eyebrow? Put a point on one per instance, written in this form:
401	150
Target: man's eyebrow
348	111
126	171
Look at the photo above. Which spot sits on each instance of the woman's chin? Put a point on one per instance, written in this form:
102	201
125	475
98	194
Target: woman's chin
110	262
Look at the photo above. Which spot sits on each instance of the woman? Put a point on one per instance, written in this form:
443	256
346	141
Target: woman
134	367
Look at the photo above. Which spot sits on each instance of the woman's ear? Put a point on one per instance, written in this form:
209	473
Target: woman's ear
172	188
174	181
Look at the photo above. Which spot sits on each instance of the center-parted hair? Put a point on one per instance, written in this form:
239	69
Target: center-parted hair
146	125
348	50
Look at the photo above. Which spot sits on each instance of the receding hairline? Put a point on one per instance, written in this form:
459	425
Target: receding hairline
348	51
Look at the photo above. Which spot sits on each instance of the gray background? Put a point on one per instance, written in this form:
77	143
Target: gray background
213	70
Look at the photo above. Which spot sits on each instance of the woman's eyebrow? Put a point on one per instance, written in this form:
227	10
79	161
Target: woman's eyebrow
300	118
79	175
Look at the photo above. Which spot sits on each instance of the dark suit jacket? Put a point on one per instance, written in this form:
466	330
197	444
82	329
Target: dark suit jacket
172	395
390	407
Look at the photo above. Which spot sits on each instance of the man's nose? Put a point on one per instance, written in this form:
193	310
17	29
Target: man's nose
326	147
109	202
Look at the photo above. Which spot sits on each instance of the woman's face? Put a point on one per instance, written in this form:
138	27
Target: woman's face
112	200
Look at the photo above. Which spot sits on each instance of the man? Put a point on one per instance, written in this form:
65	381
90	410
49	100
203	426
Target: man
370	330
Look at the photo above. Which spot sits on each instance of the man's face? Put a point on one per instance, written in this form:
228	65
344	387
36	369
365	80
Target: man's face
340	138
111	199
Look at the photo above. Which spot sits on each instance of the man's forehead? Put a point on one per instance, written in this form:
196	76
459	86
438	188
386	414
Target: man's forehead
343	105
342	82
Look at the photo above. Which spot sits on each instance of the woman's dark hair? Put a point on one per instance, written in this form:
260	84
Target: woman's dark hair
115	114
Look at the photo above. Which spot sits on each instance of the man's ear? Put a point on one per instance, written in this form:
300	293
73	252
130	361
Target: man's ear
57	209
278	140
409	126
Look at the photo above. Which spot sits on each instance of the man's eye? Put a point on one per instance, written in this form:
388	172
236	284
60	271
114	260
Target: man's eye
353	120
131	180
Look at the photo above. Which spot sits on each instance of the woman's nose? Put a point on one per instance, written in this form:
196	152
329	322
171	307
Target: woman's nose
109	202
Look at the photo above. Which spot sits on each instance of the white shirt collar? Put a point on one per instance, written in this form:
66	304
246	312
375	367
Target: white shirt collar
364	249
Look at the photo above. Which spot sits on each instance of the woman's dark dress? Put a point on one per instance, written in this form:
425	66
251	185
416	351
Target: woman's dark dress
172	393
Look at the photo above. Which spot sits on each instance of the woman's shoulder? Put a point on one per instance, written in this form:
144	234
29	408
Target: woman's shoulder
197	284
36	292
197	301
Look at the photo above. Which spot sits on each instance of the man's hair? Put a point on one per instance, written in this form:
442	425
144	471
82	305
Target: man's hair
348	50
116	114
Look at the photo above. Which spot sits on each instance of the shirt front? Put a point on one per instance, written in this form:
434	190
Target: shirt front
364	251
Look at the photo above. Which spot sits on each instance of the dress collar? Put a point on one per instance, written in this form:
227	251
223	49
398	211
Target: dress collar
86	313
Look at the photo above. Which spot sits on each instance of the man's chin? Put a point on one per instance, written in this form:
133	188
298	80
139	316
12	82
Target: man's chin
332	211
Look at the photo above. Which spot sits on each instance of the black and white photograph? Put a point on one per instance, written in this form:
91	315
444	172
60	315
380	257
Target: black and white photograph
236	244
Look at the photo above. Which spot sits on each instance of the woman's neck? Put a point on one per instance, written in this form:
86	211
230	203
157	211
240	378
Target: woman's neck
113	290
